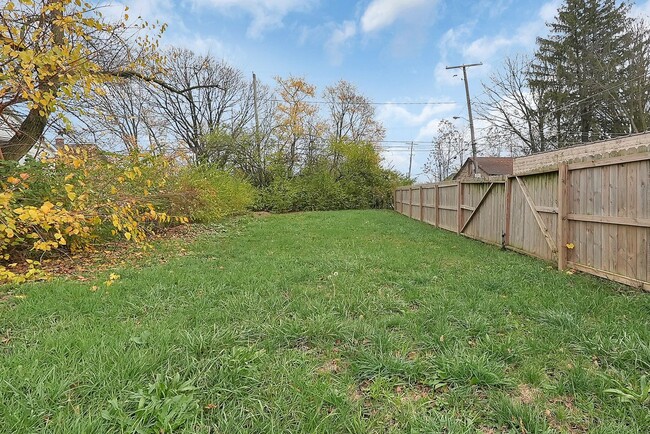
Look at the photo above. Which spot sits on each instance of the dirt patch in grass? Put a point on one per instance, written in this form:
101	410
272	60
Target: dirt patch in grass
526	394
414	393
334	366
81	266
564	426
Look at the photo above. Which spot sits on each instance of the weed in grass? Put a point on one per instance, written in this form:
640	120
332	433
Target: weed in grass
623	351
631	394
558	318
578	380
518	416
166	405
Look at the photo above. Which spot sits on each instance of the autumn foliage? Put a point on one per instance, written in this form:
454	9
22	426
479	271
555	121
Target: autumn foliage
81	198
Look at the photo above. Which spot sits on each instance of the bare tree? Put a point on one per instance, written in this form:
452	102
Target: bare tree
122	117
351	115
517	110
216	98
447	153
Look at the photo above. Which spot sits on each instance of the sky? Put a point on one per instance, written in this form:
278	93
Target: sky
394	51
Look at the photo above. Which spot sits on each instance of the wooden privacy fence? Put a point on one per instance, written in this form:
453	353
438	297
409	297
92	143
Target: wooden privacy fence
590	214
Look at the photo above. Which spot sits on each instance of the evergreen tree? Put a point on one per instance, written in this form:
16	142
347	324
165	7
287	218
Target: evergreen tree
583	68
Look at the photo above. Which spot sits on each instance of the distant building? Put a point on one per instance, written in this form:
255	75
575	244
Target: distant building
485	167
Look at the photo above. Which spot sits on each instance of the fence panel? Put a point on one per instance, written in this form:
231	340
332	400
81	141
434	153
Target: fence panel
487	214
592	215
533	215
429	204
415	202
608	217
448	206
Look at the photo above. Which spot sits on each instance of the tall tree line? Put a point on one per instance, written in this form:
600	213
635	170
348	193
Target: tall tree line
214	121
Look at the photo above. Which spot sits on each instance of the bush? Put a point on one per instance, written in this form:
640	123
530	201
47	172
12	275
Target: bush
83	197
206	195
350	177
75	200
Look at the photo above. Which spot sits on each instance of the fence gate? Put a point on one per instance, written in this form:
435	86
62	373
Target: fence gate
532	207
482	211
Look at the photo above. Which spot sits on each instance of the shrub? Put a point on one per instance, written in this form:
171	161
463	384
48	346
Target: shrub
349	177
205	194
74	200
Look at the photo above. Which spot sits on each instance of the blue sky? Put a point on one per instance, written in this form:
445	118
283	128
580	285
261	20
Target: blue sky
394	51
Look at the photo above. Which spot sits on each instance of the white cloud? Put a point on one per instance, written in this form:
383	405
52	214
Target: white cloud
488	48
266	14
204	45
161	11
340	37
382	13
398	114
548	11
524	37
397	160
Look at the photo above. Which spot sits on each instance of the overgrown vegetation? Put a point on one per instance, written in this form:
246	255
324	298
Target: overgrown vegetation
82	198
345	176
355	321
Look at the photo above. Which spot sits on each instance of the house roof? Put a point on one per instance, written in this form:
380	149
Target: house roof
492	166
495	165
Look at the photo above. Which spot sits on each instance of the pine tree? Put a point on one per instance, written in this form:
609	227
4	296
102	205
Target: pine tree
582	66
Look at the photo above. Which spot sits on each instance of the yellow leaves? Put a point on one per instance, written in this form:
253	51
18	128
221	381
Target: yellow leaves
83	206
47	207
5	198
69	188
112	278
45	246
570	246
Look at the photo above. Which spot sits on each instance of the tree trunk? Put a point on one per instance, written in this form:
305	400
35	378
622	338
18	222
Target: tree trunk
27	135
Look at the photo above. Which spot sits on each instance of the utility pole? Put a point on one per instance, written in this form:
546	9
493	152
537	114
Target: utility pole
411	160
469	110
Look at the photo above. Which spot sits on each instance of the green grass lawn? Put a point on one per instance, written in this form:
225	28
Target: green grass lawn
361	321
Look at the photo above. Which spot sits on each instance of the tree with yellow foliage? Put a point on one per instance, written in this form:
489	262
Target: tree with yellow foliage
298	126
58	51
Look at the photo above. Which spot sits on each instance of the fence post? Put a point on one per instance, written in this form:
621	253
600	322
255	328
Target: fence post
421	204
562	211
395	200
506	231
459	215
437	207
410	202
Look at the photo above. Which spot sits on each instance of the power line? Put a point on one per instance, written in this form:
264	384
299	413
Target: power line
373	102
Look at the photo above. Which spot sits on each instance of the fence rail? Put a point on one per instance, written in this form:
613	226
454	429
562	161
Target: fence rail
591	215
